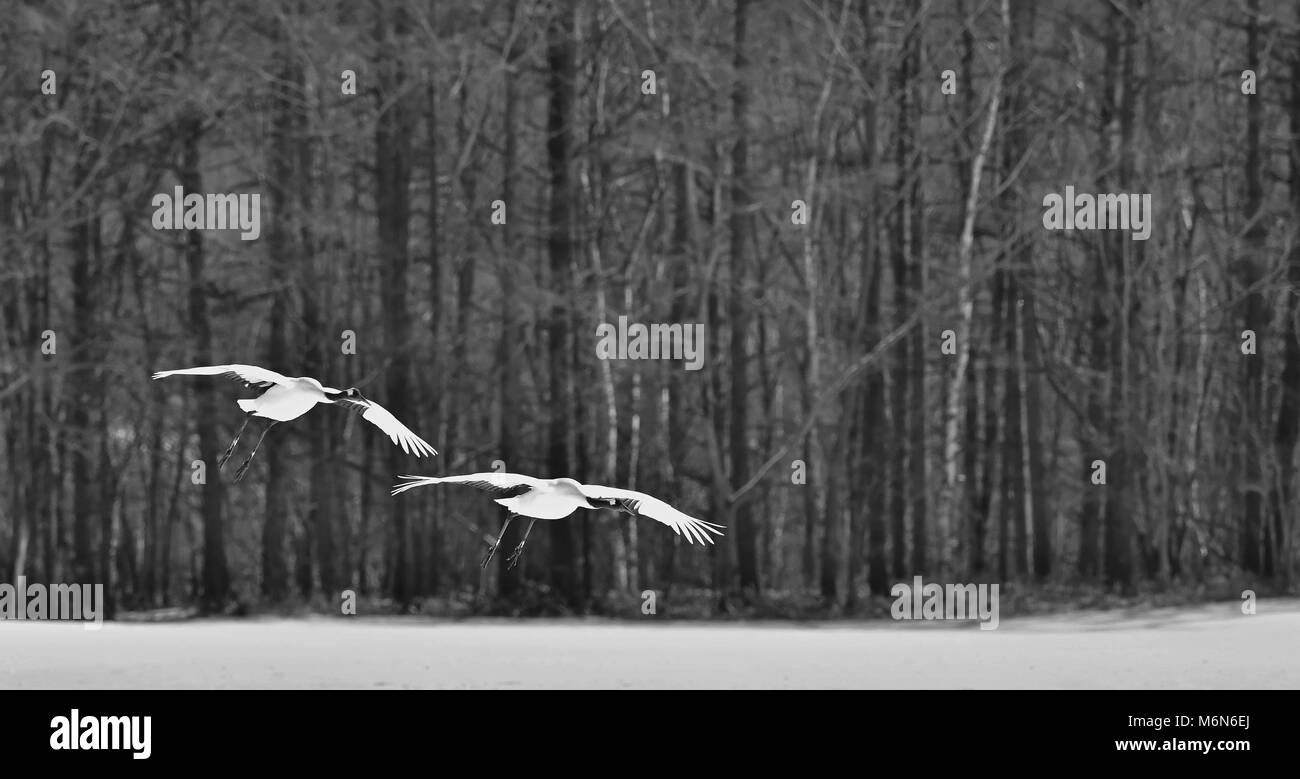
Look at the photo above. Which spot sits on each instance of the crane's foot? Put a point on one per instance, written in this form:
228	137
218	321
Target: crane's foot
513	559
488	558
243	469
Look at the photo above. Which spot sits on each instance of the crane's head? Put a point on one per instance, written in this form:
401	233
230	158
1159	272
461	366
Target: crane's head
351	393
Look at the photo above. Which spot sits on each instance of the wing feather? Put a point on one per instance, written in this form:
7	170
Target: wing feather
383	419
248	375
496	484
641	504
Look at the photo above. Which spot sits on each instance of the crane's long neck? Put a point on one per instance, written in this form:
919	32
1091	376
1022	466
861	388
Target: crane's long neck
335	396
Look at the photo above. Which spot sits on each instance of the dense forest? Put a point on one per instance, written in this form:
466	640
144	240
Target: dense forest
903	372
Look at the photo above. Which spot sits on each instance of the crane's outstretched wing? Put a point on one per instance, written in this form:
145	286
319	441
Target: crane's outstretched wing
249	375
381	418
496	484
640	504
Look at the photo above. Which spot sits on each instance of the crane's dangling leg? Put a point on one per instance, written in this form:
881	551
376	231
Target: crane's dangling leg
514	556
243	468
231	449
493	550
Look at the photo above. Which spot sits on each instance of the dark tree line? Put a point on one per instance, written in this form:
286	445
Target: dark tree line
905	373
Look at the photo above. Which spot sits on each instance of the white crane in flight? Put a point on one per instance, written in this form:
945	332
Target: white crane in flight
285	398
537	499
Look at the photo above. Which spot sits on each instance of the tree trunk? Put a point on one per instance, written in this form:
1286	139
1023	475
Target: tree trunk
215	576
1288	418
870	471
512	335
1254	313
1119	251
392	166
561	76
953	495
279	237
738	303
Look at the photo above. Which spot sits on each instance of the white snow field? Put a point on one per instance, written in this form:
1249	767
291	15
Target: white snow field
1213	646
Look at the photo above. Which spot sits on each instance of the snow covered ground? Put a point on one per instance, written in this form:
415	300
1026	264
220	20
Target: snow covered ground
1212	646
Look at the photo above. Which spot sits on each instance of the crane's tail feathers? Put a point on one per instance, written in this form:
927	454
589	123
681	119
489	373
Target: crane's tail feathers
415	481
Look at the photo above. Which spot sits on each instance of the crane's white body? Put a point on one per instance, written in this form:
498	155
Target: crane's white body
283	402
551	499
